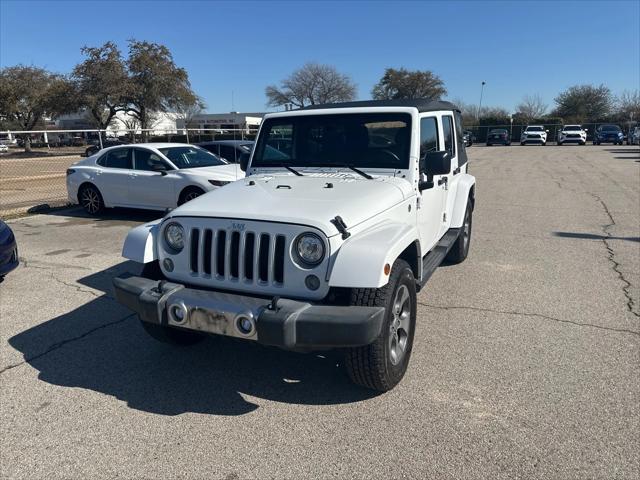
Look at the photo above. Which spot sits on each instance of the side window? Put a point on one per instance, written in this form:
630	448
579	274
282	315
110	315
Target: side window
462	149
279	143
447	130
120	158
145	159
428	135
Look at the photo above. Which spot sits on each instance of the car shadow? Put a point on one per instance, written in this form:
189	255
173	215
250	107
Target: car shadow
101	346
110	214
591	236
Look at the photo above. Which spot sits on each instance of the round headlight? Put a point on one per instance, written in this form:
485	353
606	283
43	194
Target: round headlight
174	236
309	248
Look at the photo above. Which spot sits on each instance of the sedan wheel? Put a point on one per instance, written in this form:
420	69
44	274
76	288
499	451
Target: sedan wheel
91	200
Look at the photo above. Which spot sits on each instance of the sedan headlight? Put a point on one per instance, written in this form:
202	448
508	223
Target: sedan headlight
309	249
218	183
174	236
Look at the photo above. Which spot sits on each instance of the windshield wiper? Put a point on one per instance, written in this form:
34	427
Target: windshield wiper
291	170
350	167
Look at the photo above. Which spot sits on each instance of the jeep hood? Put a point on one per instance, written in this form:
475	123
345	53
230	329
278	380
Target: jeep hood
307	200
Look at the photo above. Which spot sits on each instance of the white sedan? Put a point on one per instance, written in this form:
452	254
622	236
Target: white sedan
154	176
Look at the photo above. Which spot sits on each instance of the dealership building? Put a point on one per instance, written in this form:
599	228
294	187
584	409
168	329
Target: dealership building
222	121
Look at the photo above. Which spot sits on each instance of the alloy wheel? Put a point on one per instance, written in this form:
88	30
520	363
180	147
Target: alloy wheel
400	324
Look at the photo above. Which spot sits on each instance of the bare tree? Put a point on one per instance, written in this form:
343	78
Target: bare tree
531	107
312	84
28	94
186	113
403	83
628	105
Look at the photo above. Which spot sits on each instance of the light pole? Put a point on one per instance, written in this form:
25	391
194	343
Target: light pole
511	128
480	104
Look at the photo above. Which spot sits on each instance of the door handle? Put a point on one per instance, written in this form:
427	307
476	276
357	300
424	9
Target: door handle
444	180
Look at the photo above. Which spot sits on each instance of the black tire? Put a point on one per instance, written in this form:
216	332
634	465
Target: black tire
161	333
522	144
460	249
189	194
488	144
381	365
559	144
91	200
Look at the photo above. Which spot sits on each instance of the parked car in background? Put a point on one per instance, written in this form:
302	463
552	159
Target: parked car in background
233	151
468	137
572	134
534	134
109	142
8	250
3	147
155	176
633	138
608	134
498	136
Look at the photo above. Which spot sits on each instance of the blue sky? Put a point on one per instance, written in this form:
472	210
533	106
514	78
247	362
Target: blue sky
516	47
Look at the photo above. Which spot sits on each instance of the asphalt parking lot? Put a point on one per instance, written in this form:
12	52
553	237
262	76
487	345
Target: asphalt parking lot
525	362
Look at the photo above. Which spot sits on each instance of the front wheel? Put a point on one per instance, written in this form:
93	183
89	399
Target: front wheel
189	194
382	364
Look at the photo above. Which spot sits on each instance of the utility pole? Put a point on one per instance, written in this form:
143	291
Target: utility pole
480	104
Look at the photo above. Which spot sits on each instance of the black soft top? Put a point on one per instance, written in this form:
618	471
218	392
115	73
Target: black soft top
422	104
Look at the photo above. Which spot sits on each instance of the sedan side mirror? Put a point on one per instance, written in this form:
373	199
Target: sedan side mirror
160	168
244	162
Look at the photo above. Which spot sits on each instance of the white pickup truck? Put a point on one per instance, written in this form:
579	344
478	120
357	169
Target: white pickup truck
323	245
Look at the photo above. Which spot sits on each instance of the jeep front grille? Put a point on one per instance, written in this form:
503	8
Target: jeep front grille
254	257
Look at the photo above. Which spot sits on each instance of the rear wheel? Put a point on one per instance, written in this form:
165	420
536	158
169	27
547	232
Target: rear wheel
162	333
382	364
91	200
460	249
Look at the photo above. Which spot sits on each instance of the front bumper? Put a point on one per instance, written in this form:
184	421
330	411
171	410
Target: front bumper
284	323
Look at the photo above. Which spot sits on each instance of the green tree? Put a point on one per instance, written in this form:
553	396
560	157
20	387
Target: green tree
584	103
313	84
28	94
156	84
402	83
102	82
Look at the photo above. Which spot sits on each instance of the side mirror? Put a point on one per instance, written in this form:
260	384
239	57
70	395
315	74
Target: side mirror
160	168
244	163
435	163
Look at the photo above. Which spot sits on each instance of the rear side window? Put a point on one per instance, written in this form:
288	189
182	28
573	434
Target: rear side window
120	158
462	149
447	130
228	153
428	135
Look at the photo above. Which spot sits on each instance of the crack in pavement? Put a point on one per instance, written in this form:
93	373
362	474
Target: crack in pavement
62	343
527	314
611	254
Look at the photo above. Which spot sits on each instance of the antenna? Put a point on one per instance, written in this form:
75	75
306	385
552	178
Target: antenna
232	105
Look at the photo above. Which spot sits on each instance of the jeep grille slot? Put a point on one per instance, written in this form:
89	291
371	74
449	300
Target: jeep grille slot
195	240
207	247
221	243
249	249
234	258
278	261
263	256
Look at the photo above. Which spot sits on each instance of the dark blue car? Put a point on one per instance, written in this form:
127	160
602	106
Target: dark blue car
608	134
8	250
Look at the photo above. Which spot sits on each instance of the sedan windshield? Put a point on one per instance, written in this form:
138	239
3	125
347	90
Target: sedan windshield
573	127
191	157
610	128
535	129
368	140
498	130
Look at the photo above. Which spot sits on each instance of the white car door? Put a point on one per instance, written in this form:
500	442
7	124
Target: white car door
148	187
431	201
112	176
451	146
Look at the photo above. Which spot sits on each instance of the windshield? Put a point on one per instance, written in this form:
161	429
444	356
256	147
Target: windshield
368	140
535	129
498	130
573	127
610	128
191	157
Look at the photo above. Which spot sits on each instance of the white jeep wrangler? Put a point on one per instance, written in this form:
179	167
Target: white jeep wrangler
345	212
